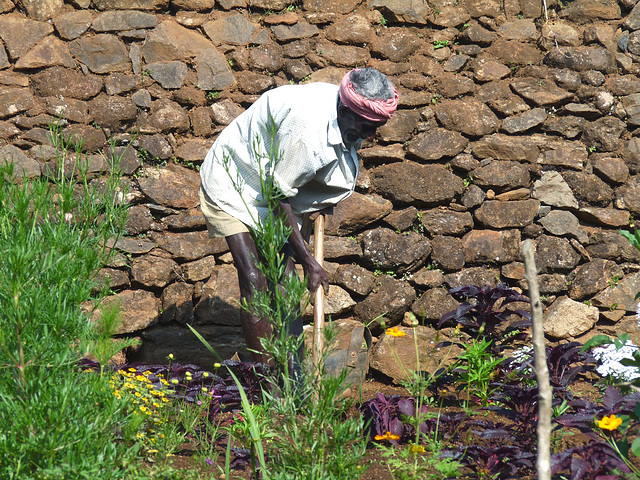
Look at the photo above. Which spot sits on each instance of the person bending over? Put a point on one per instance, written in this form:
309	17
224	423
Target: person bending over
320	126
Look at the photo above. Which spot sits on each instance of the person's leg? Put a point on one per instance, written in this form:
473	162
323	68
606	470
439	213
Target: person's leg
244	252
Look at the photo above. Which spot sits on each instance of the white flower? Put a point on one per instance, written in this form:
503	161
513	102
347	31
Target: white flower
609	358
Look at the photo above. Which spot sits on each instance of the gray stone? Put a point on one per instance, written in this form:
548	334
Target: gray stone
111	110
448	252
485	70
153	5
555	254
552	190
582	58
605	217
620	296
337	302
395	44
168	74
336	248
385	250
391	298
612	169
433	304
177	304
604	134
213	70
561	153
567	126
524	121
541	92
563	224
515	214
103	53
24	165
286	33
73	24
482	276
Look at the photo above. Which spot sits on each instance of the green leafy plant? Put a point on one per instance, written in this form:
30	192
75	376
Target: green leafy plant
437	44
476	368
54	233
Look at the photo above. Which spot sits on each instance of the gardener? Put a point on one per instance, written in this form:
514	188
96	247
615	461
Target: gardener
319	128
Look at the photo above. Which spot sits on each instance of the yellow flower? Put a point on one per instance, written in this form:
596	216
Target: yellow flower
175	381
132	369
387	436
216	365
415	449
395	332
610	423
170	356
205	374
143	408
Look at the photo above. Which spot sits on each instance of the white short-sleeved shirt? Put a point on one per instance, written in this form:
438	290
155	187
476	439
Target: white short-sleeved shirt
315	169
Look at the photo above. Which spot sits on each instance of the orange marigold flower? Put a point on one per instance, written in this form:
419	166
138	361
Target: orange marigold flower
387	436
415	449
395	332
610	423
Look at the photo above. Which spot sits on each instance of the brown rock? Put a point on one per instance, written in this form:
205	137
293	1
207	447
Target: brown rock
177	303
482	246
354	279
67	83
219	302
354	213
448	252
172	186
189	246
436	144
139	309
592	277
433	304
407	182
440	221
386	250
390	299
153	272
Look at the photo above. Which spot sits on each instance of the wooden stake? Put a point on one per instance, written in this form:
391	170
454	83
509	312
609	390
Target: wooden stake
318	303
545	392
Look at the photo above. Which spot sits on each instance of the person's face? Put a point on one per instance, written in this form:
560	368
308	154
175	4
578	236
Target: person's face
353	127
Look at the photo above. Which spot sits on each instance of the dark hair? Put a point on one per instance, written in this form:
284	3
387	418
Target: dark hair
372	84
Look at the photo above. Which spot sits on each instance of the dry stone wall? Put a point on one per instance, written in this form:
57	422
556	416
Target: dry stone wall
514	122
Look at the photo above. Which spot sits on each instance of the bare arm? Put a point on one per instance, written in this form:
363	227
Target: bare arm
316	275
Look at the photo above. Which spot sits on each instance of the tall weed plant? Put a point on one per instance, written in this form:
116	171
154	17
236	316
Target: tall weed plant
313	437
55	420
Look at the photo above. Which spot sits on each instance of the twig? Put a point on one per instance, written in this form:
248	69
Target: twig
542	372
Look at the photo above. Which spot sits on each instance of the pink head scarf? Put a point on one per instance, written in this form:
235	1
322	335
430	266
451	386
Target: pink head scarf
373	110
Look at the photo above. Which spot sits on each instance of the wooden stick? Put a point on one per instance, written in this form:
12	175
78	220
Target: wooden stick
545	391
318	303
